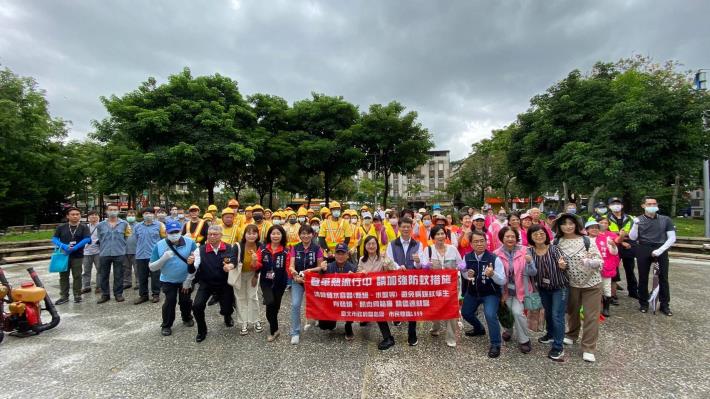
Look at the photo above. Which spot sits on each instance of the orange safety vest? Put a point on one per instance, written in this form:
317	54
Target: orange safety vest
334	232
292	234
196	236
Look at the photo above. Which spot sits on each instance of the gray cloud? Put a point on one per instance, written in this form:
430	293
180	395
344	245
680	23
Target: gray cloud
466	67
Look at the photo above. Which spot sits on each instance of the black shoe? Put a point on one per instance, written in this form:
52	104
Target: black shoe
615	301
386	344
135	288
166	331
103	299
120	298
228	321
188	323
200	337
127	286
633	295
606	301
475	333
643	309
212	300
667	311
155	299
494	352
86	290
546	339
412	341
77	299
61	301
506	336
556	355
141	299
525	347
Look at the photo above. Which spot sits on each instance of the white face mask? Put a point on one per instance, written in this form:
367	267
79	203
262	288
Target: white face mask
112	214
181	216
601	211
301	220
336	214
148	218
130	219
651	209
315	228
616	208
427	223
277	222
174	237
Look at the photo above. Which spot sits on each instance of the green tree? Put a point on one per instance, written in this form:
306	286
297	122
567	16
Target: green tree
32	184
393	141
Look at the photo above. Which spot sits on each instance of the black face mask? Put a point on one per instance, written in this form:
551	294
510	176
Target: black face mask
258	217
292	221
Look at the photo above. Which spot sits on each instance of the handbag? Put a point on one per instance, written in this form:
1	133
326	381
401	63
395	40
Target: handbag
505	316
59	262
234	275
532	300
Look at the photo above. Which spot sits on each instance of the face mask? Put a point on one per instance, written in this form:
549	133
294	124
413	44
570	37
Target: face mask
174	237
601	211
277	222
336	214
301	220
615	208
162	216
393	221
181	216
418	217
572	210
651	209
112	214
500	218
258	217
315	228
173	213
292	221
130	219
366	222
427	223
148	218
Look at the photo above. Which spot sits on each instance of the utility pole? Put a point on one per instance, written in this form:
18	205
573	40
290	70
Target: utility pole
701	84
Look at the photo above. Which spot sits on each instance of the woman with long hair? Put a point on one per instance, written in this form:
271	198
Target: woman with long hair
245	288
271	264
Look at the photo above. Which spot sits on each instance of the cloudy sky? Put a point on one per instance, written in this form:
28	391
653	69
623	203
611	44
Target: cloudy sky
466	67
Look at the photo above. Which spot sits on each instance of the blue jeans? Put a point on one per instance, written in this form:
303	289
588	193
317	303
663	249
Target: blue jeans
490	309
555	304
296	301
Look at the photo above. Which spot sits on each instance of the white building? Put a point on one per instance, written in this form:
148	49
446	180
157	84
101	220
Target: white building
429	180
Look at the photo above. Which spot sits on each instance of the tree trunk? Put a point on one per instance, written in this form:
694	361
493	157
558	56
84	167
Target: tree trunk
271	193
628	204
674	200
386	174
101	206
326	188
261	198
210	192
592	197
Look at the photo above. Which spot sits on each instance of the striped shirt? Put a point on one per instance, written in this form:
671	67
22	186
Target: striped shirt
549	275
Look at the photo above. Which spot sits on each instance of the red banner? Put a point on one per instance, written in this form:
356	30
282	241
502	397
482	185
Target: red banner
388	296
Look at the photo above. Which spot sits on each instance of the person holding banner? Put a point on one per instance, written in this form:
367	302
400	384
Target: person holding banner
407	253
341	264
519	267
486	274
306	256
442	256
271	262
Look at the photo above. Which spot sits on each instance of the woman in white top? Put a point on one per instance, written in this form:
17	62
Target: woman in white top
443	256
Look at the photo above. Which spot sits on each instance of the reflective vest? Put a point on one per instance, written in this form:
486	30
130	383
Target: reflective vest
292	234
230	235
335	232
197	235
360	235
391	234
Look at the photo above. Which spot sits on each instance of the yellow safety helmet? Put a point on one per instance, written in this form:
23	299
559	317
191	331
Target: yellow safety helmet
314	219
334	204
212	208
227	211
257	207
249	209
324	211
208	216
302	212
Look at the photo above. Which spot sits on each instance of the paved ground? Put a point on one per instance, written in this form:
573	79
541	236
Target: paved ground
116	350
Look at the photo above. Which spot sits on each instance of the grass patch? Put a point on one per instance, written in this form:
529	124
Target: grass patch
35	235
686	227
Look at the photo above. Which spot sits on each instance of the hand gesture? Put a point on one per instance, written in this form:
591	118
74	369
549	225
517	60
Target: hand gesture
562	263
227	267
191	259
489	271
167	255
415	258
528	258
626	245
324	266
471	274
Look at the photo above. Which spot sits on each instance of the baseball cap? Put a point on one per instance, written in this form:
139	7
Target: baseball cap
615	199
341	248
366	215
591	223
478	216
551	215
172	226
525	215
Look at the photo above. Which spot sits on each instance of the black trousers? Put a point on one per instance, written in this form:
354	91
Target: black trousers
644	257
386	333
631	284
272	300
144	274
173	296
330	325
204	292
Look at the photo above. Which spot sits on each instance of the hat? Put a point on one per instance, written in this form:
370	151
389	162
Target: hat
212	208
591	223
233	202
334	204
600	204
302	211
257	207
422	210
207	216
341	248
227	211
615	199
478	216
249	209
193	207
172	226
324	211
551	215
364	208
268	210
525	215
366	215
310	210
314	220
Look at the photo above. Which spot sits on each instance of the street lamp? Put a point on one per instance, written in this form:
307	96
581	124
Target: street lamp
700	83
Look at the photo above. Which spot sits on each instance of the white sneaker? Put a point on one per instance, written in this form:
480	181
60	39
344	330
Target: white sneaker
567	341
257	327
295	340
588	357
451	344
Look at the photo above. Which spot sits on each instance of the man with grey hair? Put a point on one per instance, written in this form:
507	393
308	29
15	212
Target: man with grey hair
216	260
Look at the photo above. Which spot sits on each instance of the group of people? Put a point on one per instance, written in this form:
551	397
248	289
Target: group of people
515	262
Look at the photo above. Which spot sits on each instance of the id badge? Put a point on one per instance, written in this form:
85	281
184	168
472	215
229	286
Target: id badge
269	275
546	281
72	242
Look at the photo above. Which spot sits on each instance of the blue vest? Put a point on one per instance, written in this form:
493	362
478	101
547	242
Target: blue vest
175	270
482	285
305	259
400	257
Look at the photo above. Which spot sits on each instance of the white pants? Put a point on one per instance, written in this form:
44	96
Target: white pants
247	299
606	285
521	322
452	327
